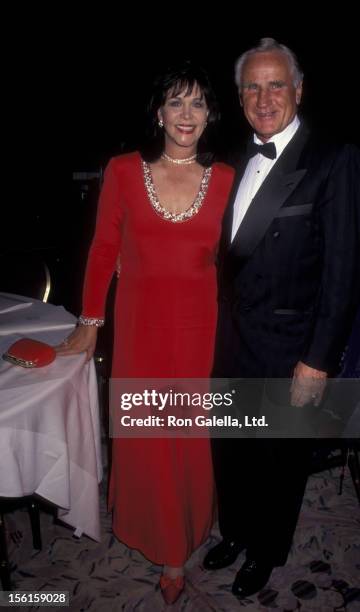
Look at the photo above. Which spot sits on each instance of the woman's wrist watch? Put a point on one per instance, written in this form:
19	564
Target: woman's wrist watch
91	321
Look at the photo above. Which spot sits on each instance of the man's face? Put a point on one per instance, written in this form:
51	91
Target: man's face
268	94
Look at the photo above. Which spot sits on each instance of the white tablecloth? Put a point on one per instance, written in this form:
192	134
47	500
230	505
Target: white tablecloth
49	421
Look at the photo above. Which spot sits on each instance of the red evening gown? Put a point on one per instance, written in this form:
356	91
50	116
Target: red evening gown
161	490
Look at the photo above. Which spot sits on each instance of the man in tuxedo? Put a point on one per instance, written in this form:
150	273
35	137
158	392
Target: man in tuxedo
288	290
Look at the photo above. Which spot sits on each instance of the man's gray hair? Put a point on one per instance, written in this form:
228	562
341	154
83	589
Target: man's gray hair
269	44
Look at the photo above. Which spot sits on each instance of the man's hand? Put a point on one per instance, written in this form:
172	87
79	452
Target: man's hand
307	385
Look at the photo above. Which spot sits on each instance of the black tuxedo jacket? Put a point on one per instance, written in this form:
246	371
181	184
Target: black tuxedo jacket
289	281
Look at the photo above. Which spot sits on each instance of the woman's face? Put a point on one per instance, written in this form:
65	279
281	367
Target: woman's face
184	116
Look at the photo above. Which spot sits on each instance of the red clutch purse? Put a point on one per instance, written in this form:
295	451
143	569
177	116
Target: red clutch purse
30	353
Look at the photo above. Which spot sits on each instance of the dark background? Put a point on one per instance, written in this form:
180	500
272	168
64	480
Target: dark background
80	88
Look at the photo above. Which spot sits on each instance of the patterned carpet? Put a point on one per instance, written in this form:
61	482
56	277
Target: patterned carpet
322	573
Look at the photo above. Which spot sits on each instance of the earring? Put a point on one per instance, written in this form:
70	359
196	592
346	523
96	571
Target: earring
161	123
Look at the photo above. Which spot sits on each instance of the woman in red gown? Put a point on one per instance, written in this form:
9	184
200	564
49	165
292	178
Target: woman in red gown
162	212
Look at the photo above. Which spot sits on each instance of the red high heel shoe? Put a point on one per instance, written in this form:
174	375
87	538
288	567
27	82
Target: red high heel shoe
171	588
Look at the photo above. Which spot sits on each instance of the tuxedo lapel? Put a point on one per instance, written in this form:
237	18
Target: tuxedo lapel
275	190
229	212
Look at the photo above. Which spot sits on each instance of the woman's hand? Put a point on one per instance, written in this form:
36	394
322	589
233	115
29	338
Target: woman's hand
82	339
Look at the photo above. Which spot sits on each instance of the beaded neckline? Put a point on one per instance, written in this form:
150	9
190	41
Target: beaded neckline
166	214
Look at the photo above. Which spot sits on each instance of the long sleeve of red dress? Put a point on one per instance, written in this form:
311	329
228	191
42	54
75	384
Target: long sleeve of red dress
105	246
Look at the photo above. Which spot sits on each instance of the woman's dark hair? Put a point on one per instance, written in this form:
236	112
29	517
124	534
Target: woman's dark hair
176	79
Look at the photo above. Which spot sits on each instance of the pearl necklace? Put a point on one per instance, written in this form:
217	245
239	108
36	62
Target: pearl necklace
185	161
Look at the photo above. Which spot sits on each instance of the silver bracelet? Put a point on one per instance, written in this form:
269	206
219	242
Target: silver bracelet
91	321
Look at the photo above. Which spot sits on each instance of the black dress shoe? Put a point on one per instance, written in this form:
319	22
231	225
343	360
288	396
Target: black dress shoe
251	577
222	555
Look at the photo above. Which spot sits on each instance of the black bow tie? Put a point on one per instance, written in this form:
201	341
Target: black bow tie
268	149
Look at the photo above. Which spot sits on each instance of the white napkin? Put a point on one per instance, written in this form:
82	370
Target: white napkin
10	304
38	317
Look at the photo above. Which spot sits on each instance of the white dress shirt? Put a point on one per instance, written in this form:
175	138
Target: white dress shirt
257	169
